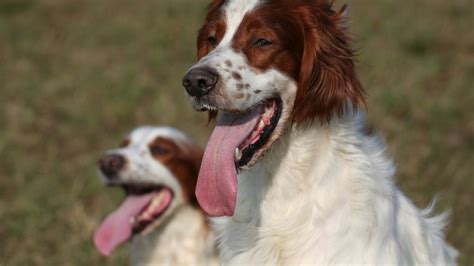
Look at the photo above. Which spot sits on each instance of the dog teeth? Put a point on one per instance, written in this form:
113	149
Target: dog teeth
156	201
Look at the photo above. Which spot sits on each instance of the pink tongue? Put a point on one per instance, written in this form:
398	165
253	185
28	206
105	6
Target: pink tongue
216	188
117	228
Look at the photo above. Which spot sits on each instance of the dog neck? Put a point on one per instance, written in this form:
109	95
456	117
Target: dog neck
324	194
294	199
184	239
305	161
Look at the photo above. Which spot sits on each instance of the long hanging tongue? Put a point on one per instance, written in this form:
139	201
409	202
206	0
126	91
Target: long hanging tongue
216	188
117	228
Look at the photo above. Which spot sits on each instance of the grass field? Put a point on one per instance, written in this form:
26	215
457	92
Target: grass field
75	76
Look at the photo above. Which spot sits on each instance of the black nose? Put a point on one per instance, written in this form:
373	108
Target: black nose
111	164
200	81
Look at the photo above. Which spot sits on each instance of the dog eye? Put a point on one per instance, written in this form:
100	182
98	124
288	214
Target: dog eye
212	40
262	43
159	150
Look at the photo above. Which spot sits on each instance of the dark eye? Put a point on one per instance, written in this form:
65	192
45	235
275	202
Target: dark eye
212	40
159	150
262	43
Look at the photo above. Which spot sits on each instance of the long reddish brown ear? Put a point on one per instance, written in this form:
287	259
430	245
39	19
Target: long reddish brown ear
328	82
189	163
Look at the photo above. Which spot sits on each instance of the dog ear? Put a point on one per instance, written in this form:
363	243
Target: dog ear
186	169
328	83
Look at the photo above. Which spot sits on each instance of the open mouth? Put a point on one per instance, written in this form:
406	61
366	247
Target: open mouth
142	208
161	198
238	140
269	117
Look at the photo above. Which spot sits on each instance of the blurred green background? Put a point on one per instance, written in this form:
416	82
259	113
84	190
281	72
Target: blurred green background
75	76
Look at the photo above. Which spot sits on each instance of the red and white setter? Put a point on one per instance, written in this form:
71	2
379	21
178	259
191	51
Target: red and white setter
288	172
157	167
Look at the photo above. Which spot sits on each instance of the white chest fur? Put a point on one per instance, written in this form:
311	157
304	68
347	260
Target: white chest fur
325	195
183	240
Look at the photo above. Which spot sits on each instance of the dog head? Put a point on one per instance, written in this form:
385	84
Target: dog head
264	65
157	167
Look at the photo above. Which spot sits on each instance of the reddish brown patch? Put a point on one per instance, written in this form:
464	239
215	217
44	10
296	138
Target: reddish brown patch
271	22
327	80
228	63
240	86
308	41
214	29
183	163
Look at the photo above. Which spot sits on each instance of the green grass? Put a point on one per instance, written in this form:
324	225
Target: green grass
75	76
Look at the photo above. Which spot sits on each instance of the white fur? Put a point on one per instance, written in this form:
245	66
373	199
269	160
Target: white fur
180	236
325	195
180	242
321	194
234	13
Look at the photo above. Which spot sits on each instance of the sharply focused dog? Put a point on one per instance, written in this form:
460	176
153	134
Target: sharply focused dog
157	167
289	170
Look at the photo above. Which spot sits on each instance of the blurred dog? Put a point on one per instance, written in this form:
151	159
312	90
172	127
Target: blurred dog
157	167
